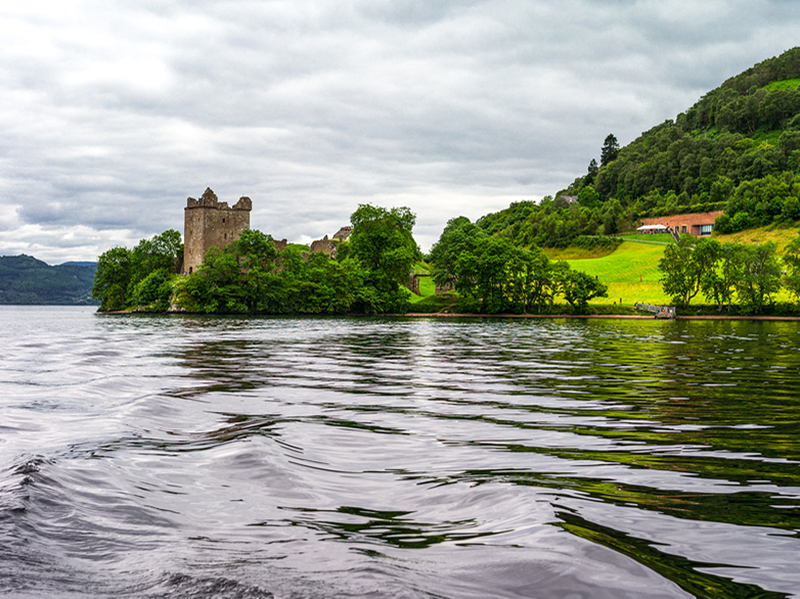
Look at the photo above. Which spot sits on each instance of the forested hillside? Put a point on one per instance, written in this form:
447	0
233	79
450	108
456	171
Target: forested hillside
737	149
26	280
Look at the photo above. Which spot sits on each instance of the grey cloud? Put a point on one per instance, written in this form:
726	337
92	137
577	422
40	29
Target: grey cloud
112	118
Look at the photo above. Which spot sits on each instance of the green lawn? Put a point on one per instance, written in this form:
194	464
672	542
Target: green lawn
631	274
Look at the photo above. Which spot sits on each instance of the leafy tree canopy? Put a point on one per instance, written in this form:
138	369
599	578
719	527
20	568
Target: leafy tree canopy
381	241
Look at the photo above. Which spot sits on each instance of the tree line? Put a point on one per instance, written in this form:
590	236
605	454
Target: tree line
250	276
729	274
493	275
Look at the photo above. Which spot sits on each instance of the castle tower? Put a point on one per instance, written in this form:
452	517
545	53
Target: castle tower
210	223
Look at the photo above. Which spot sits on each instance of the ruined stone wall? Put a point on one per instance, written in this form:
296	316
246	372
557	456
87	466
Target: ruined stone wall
211	223
325	245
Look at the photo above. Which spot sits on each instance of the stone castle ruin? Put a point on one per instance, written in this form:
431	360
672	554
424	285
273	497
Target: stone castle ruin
328	246
211	223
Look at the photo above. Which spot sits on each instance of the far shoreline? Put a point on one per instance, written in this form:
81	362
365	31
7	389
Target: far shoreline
603	316
476	315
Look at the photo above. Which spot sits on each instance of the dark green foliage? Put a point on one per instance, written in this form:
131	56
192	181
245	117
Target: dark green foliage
164	251
492	275
758	275
762	201
792	261
578	288
685	265
609	151
218	285
154	290
26	280
382	243
112	278
591	172
118	281
724	273
459	238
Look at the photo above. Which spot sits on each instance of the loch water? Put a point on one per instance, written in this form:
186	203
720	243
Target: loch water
187	457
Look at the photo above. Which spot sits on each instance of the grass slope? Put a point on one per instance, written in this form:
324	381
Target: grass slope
780	235
622	269
631	273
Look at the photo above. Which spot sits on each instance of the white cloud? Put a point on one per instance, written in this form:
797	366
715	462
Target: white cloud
114	112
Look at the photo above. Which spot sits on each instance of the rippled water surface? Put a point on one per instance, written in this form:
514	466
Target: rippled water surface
152	456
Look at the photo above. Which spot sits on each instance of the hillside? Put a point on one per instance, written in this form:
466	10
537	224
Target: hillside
26	280
630	272
737	149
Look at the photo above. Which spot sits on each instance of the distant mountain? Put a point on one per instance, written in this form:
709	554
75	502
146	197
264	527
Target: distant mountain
80	264
26	280
737	149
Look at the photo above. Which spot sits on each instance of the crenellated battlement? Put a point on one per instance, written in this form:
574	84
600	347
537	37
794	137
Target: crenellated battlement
209	200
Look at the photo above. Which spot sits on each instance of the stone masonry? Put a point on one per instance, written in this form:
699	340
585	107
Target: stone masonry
211	223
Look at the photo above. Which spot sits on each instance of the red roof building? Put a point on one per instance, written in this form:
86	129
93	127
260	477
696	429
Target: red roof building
699	225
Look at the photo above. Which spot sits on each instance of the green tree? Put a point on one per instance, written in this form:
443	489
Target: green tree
717	283
685	265
112	278
217	284
610	150
758	275
792	261
528	284
256	255
154	290
482	273
591	172
578	288
588	197
382	243
459	238
164	251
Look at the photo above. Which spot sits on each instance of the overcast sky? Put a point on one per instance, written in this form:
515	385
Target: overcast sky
112	112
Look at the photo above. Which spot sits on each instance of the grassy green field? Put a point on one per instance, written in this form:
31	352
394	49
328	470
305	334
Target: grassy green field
631	274
780	235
